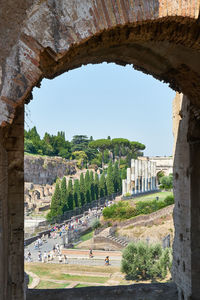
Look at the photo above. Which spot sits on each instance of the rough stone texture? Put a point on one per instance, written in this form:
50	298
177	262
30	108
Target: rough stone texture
186	254
134	292
45	38
12	209
57	36
45	170
163	163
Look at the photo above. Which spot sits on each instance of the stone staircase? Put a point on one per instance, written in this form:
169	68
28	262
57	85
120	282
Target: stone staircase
120	241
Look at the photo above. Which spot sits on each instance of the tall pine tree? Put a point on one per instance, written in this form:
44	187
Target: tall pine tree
96	186
70	198
102	186
110	180
116	178
77	193
92	186
64	195
82	189
56	209
87	187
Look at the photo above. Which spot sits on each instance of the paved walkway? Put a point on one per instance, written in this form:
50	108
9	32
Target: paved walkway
35	282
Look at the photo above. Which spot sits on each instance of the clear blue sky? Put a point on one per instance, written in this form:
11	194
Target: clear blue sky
102	100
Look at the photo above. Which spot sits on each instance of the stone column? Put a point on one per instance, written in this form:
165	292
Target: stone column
186	262
128	180
143	175
136	176
12	209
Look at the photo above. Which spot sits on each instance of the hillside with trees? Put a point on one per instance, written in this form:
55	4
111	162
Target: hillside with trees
86	151
93	186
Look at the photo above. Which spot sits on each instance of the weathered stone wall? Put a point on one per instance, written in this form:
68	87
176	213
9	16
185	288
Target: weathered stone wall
45	170
12	209
163	163
132	292
47	38
148	219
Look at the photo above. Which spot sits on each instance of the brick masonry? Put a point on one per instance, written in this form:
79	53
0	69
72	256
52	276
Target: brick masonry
46	38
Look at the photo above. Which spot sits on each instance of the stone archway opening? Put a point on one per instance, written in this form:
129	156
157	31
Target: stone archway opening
160	38
100	83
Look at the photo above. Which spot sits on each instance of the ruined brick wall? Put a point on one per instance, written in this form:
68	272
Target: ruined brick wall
56	36
46	38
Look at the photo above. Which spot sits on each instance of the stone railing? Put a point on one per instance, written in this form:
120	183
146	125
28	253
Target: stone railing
154	291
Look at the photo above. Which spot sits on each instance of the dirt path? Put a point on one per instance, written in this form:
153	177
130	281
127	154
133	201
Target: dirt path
36	280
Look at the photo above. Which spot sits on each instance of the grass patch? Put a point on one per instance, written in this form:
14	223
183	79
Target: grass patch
30	279
80	285
52	270
87	236
51	285
122	210
83	278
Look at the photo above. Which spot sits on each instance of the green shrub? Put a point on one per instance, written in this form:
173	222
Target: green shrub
169	200
122	210
96	224
143	261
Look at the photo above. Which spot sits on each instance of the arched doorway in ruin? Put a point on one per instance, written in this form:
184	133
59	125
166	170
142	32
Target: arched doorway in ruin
158	37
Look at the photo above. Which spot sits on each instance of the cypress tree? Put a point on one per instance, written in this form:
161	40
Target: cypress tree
77	193
123	173
110	180
87	187
92	191
56	202
116	177
82	190
70	198
96	186
64	195
102	185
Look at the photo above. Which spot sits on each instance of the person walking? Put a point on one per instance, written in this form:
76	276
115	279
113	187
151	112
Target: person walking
107	261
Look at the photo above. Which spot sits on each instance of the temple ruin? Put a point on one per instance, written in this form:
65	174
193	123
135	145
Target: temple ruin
141	177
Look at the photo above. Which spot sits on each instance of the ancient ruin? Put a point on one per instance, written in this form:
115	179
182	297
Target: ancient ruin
141	177
46	38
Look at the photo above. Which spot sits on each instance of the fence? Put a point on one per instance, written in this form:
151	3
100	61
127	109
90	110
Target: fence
78	213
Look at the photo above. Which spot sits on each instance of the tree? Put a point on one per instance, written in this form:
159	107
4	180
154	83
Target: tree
81	156
87	187
101	145
135	149
77	193
120	142
143	261
110	180
82	189
92	191
167	182
70	198
96	186
56	208
123	173
102	186
116	178
63	195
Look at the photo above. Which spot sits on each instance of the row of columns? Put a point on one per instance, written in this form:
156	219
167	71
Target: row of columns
141	177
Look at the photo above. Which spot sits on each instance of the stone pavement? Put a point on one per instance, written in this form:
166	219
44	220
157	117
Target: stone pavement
74	256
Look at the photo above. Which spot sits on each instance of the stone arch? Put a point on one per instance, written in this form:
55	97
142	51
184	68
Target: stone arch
159	37
61	35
